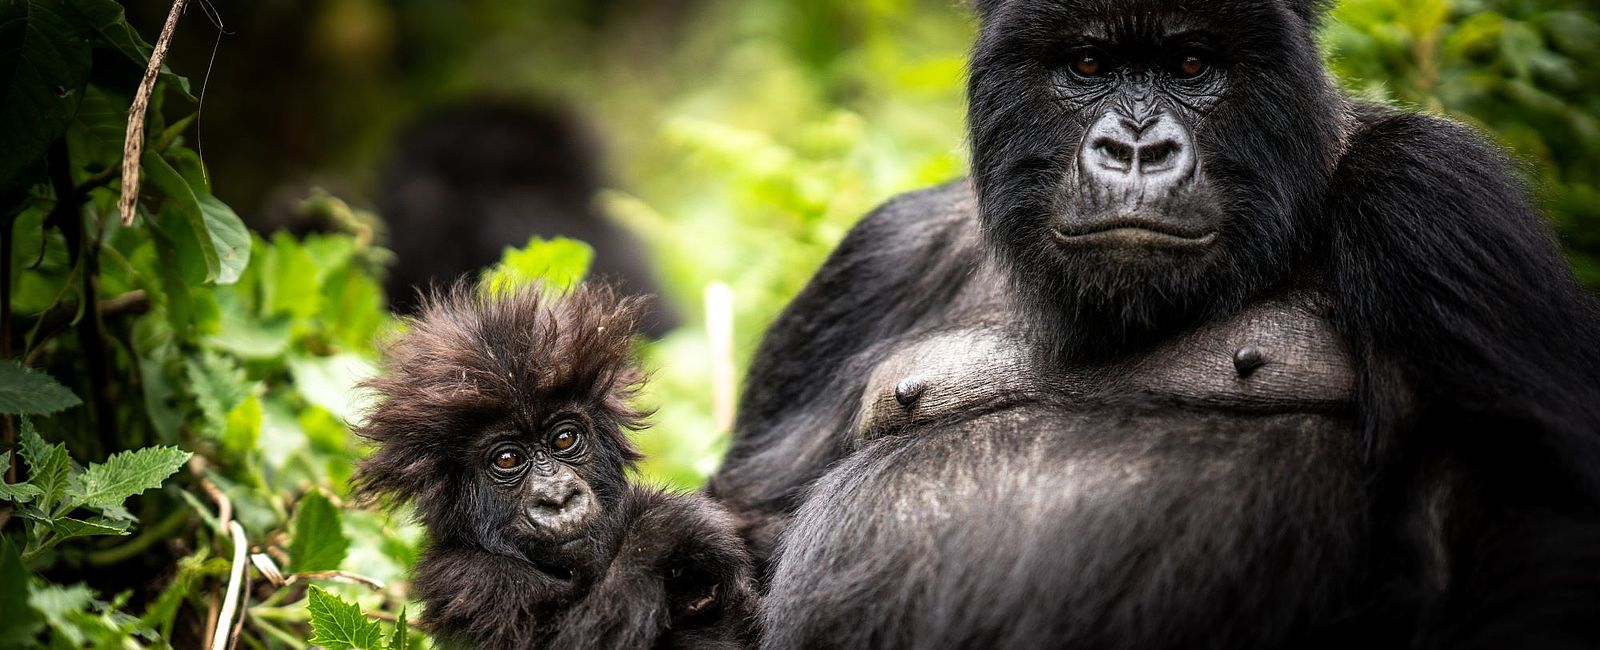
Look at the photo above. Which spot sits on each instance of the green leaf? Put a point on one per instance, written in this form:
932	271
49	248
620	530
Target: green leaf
26	391
557	263
19	492
44	65
62	607
319	542
182	220
331	382
243	427
66	527
49	468
219	385
338	625
229	238
20	622
402	633
126	474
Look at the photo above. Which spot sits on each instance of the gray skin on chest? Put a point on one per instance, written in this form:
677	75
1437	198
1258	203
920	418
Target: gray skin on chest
1274	356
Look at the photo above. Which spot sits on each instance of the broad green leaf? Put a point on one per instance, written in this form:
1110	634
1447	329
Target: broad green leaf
557	263
211	241
229	238
49	468
26	391
330	382
319	542
94	140
127	473
15	493
44	64
246	334
20	622
338	625
243	427
291	282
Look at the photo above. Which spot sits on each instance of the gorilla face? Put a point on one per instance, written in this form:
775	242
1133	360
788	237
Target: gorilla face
1145	166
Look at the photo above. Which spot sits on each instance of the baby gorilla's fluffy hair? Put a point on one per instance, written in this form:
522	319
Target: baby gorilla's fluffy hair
475	393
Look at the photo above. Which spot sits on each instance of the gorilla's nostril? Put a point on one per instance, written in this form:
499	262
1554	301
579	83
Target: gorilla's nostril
1157	155
1114	151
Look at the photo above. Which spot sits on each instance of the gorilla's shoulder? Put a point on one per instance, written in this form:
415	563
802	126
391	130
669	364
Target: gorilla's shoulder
943	214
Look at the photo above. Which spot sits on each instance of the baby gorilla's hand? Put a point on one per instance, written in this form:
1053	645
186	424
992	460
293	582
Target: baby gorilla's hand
680	578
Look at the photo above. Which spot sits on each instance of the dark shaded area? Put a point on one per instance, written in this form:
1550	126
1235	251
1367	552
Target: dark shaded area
466	182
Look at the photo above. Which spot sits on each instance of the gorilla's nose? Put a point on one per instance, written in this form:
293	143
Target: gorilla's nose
559	504
1137	158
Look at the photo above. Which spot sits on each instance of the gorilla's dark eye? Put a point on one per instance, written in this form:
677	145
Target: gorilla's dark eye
1088	63
1190	66
508	459
565	438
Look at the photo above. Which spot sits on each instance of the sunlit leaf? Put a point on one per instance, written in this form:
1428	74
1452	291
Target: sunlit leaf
127	473
319	542
49	467
338	625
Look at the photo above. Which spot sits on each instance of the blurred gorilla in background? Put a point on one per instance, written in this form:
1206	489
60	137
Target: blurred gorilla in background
467	181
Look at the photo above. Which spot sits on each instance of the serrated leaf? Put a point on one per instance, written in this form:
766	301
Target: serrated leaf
402	633
18	492
126	474
49	468
319	542
20	622
218	385
338	625
59	604
25	391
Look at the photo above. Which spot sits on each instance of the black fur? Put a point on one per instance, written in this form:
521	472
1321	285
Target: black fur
473	376
1452	501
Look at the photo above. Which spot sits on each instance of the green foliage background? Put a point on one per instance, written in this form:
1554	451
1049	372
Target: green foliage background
746	136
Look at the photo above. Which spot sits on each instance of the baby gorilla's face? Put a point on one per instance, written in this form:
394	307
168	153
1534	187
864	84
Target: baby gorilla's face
534	487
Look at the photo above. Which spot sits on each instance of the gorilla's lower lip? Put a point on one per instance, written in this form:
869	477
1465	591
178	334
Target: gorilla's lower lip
1133	237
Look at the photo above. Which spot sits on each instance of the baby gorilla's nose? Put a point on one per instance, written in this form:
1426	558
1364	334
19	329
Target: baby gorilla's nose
559	505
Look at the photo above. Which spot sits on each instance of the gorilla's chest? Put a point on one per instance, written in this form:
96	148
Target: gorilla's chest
1277	356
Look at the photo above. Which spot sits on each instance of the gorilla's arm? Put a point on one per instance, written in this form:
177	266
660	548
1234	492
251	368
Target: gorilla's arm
902	263
1480	370
679	578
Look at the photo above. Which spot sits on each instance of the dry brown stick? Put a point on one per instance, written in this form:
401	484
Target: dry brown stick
133	146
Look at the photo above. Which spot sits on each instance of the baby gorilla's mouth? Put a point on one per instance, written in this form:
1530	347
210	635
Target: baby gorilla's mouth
1131	232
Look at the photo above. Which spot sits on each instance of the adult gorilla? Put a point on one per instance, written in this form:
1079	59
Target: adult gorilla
1206	355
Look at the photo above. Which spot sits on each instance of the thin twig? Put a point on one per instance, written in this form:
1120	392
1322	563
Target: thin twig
230	599
336	576
133	146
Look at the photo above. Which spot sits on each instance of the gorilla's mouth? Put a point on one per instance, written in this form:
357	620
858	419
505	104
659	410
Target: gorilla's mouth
1131	232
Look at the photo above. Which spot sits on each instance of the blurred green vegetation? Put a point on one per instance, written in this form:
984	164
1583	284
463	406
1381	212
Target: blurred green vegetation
745	137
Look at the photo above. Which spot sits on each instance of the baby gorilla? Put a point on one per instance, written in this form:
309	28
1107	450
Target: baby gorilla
506	421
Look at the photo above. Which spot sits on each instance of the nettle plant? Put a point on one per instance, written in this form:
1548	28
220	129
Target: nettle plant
175	390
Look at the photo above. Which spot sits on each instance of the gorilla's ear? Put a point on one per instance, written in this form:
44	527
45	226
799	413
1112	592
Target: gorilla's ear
1310	11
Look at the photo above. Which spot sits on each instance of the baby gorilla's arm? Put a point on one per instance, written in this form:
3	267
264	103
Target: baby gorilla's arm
680	578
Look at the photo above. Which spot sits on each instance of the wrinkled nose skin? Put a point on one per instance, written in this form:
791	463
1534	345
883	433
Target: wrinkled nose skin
1136	160
558	505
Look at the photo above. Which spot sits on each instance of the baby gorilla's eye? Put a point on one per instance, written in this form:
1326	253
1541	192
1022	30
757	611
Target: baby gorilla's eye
508	459
1190	66
564	439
